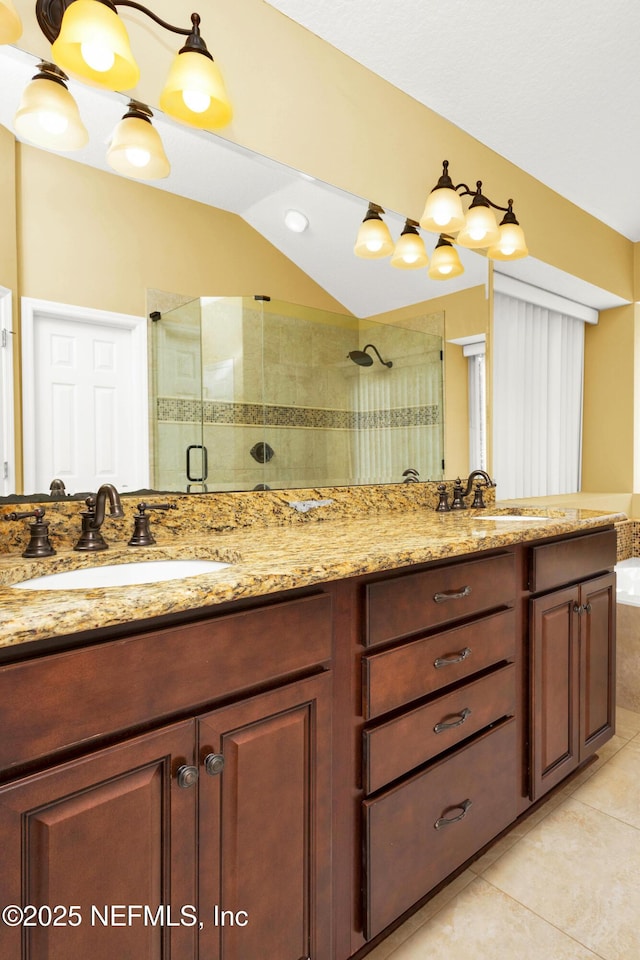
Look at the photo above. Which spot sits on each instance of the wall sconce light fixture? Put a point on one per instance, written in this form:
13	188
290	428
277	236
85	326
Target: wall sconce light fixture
89	40
373	240
136	148
10	24
48	115
477	229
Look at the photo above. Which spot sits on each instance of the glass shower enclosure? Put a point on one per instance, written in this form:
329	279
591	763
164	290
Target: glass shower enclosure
252	393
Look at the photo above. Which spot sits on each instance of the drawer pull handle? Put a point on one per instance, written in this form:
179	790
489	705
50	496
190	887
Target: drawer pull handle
452	595
445	821
456	658
449	725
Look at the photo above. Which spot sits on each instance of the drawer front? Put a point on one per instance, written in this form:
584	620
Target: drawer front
87	693
406	742
414	602
416	834
556	564
393	678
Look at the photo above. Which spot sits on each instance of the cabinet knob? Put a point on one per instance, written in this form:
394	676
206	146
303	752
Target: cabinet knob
587	608
213	764
187	776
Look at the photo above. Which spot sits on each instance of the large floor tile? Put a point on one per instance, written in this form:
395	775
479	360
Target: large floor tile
627	723
484	924
614	788
579	869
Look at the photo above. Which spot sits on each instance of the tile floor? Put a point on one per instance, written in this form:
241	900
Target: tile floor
564	885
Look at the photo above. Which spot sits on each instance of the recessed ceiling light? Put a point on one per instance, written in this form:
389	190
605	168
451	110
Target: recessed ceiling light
296	221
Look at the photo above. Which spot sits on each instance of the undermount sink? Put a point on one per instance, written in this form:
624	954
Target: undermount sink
122	574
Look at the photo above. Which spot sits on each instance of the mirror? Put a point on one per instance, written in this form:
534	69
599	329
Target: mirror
91	238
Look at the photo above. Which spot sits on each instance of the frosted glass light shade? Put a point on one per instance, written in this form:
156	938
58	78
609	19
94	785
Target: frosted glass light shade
511	243
443	211
136	150
48	116
480	228
374	240
409	252
93	44
195	92
10	23
445	262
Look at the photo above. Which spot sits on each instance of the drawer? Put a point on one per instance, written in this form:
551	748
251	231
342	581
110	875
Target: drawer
406	742
415	602
392	678
417	833
566	561
69	698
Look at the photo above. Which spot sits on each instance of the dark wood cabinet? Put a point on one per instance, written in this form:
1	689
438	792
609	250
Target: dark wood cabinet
207	838
265	826
86	841
572	671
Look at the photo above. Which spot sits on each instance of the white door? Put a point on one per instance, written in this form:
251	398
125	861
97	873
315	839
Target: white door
85	398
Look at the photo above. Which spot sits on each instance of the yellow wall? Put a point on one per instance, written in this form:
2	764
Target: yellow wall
609	382
8	254
89	238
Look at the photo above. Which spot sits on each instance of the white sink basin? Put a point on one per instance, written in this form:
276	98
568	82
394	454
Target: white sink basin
122	574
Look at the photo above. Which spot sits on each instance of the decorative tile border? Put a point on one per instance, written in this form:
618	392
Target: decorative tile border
256	414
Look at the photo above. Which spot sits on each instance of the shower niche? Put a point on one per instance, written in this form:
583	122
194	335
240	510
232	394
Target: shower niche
251	393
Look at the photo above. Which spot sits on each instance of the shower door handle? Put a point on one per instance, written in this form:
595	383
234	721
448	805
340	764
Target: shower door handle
205	463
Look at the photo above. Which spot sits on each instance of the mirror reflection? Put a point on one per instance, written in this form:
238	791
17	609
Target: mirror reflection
256	393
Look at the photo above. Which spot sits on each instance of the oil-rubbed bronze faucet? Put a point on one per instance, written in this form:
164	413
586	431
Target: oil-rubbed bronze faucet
39	544
93	517
142	536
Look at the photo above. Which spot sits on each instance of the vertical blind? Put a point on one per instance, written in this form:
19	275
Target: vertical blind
538	358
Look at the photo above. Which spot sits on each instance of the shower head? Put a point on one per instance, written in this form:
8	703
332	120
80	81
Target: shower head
363	359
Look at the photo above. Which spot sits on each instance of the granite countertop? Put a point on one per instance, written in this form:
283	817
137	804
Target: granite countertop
263	560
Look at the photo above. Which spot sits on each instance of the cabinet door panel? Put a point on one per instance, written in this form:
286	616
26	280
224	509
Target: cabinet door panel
555	678
96	834
597	663
265	827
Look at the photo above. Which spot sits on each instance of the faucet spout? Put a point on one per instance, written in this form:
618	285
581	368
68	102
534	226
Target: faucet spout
107	490
93	517
477	473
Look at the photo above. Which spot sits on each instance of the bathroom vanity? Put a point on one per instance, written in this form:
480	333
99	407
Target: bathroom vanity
286	773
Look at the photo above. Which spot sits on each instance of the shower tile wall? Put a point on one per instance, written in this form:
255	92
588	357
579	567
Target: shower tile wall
278	373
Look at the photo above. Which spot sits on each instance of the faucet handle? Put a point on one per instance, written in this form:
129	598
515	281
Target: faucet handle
458	495
477	497
39	544
443	501
142	536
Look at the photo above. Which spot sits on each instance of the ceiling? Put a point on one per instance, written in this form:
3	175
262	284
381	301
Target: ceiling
552	87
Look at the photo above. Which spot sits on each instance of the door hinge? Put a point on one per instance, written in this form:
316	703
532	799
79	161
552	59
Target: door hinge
5	470
4	337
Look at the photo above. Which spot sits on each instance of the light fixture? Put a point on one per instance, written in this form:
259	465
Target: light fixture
10	25
296	221
136	148
480	227
90	40
48	115
445	262
373	240
443	209
409	252
511	244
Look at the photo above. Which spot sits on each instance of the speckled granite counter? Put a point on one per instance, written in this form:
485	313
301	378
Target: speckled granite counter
276	548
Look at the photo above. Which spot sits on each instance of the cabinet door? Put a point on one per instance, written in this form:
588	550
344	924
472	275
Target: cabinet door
597	662
108	835
555	688
265	819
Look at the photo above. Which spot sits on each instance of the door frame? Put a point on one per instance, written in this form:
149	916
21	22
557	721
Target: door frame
139	425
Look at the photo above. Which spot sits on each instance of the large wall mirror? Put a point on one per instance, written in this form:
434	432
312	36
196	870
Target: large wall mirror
196	249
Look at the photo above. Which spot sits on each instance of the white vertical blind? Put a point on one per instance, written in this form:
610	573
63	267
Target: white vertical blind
537	399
